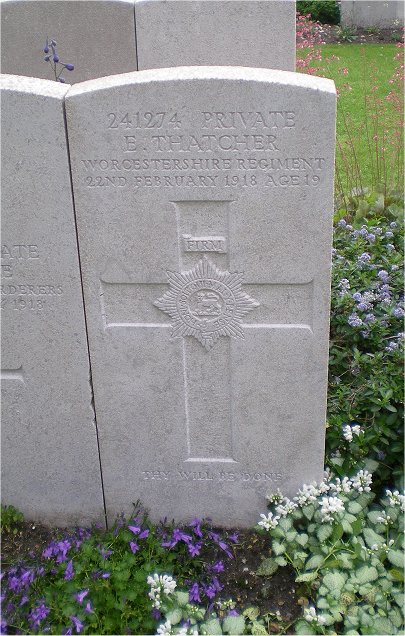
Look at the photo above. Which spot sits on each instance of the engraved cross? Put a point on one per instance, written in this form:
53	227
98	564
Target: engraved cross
197	303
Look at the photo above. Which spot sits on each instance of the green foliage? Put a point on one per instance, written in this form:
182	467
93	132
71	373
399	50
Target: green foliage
346	33
351	574
365	386
10	519
324	11
111	571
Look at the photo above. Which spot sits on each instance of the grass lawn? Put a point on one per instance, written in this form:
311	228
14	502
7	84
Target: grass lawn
369	69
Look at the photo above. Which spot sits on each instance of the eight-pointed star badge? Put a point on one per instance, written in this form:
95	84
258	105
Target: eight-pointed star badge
206	303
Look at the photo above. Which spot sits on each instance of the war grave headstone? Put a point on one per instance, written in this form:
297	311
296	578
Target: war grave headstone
50	465
204	210
257	33
96	36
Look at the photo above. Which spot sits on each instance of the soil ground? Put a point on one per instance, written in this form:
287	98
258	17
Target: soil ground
332	35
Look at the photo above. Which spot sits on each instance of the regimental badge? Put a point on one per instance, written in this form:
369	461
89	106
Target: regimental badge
206	303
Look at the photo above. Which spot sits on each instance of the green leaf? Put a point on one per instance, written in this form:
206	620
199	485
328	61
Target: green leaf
372	538
285	523
334	581
354	507
182	598
174	616
337	532
307	577
396	557
267	567
323	532
366	574
302	539
397	575
303	627
251	613
278	548
347	527
308	512
259	629
381	625
212	627
234	625
314	562
280	560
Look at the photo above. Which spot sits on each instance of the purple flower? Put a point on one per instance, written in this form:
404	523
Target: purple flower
214	536
23	601
134	546
46	47
37	614
233	612
69	67
354	320
79	626
209	591
194	593
225	548
156	614
105	553
218	567
196	525
383	275
69	571
216	584
194	550
144	534
68	630
134	529
88	609
357	296
380	455
233	537
398	312
81	595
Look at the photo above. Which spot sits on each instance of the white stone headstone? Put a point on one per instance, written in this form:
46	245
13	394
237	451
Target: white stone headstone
204	208
257	33
96	36
50	466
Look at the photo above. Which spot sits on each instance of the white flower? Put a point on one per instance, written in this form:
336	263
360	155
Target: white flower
362	481
344	485
329	506
396	499
269	522
311	616
164	629
285	508
384	518
307	494
275	497
158	584
347	433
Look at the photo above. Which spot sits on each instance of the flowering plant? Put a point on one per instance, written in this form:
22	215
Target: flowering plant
347	554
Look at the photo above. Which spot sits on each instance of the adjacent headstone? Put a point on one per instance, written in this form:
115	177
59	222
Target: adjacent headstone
204	201
257	33
50	466
96	36
372	13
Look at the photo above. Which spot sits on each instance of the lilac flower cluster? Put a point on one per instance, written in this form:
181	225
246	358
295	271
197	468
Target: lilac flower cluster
140	534
51	56
194	538
16	590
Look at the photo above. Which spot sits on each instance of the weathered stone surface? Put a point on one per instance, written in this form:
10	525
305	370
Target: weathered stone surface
377	13
50	467
97	36
204	208
257	33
